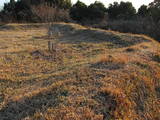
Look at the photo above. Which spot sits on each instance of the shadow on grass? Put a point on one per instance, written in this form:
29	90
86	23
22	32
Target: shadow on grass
97	36
6	27
28	105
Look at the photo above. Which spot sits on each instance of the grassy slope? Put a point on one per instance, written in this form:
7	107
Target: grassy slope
95	75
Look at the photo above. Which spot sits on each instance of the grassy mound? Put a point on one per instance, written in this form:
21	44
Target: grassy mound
91	74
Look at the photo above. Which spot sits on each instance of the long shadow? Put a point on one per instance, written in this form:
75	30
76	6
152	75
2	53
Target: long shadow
25	26
98	36
119	40
6	27
17	110
17	84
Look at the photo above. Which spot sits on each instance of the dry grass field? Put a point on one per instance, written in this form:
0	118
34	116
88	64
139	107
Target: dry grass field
93	75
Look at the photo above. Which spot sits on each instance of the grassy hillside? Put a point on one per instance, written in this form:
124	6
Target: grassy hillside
92	75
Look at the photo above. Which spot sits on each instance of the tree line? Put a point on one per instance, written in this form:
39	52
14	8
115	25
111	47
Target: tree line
21	10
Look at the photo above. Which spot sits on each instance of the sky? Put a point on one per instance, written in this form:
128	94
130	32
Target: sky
2	2
136	3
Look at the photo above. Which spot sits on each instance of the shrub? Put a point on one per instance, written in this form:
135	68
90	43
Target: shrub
18	11
137	26
50	14
36	11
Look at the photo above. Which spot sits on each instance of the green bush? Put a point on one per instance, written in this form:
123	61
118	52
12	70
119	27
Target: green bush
81	12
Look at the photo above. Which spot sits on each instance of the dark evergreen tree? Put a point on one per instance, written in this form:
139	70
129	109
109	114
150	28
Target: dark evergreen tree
124	10
154	10
81	12
96	10
78	11
113	10
143	11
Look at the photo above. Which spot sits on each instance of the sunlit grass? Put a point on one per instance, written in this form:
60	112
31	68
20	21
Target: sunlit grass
95	75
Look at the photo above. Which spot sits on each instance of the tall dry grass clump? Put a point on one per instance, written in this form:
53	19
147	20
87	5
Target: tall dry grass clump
119	59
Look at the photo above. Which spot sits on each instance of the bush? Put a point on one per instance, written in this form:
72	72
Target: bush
50	14
138	26
18	12
36	11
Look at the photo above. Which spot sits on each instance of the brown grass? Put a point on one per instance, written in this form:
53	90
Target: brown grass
119	59
119	101
97	74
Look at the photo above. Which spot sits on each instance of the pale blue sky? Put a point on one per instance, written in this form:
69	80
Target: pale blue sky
136	3
2	2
